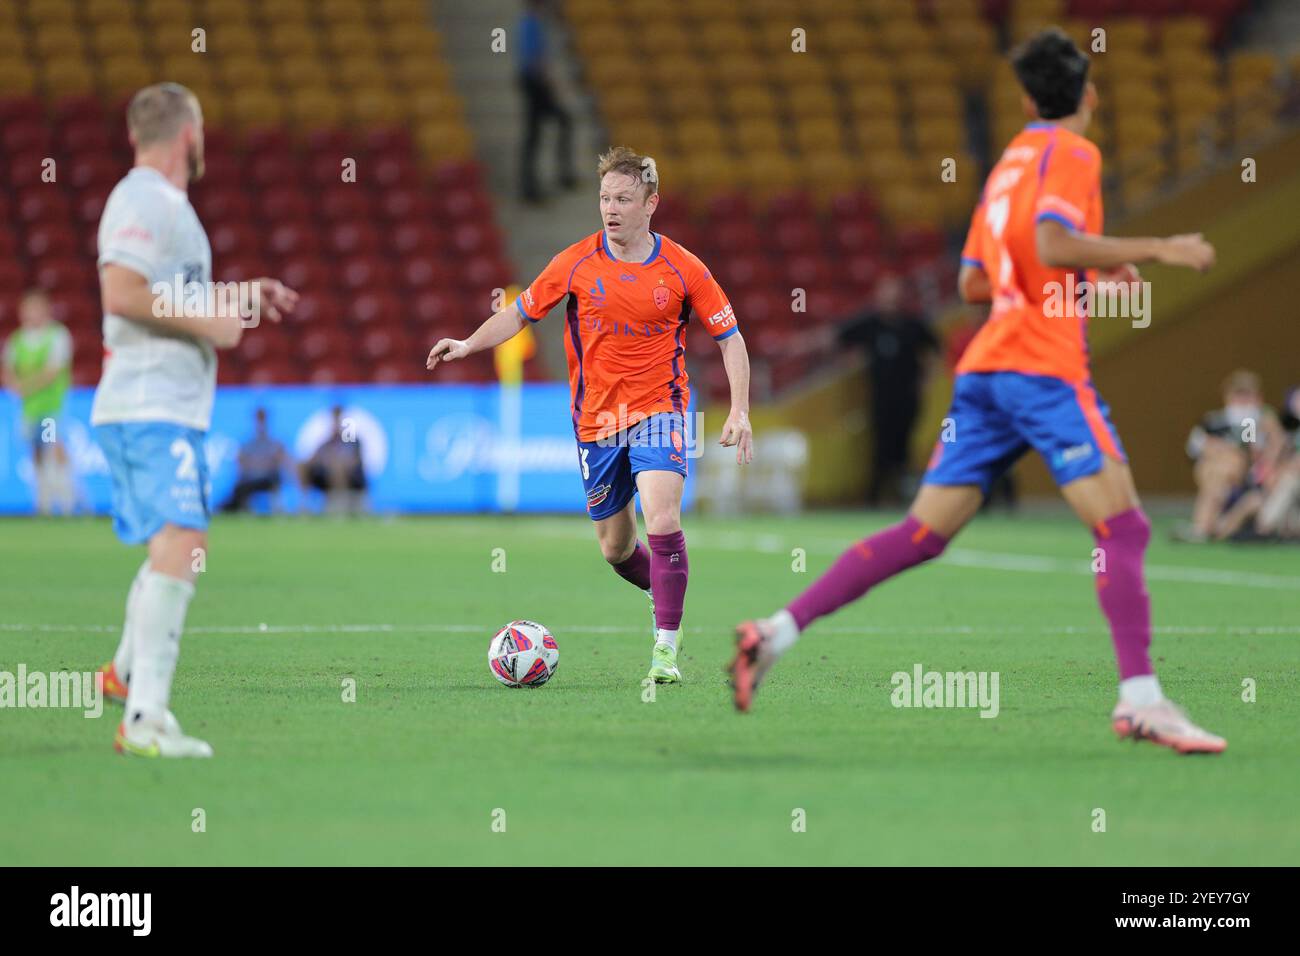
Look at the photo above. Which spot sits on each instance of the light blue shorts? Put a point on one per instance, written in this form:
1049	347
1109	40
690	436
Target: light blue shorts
160	476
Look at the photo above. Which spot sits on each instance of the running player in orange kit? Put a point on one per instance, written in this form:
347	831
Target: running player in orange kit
1024	383
629	293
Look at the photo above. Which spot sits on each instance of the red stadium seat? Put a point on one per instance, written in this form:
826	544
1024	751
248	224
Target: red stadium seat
315	308
13	278
235	239
291	239
377	308
344	202
353	239
334	371
50	239
434	309
285	205
410	238
221	204
306	273
362	273
405	205
66	274
426	271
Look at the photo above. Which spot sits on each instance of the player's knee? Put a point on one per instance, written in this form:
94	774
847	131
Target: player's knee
663	521
615	551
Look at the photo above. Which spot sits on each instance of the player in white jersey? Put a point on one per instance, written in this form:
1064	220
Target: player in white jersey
163	322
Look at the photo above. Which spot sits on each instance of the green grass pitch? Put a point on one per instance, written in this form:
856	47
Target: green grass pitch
585	770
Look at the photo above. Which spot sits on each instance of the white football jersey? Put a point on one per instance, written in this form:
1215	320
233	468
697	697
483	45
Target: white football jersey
150	227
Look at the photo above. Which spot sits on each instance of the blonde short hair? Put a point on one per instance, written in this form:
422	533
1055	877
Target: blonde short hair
157	113
622	159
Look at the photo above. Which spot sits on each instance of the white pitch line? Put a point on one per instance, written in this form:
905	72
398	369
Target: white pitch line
1172	629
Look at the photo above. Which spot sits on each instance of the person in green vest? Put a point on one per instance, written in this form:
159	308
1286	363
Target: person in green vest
38	367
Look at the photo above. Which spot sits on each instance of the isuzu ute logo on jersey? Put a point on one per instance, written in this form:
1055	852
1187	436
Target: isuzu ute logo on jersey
597	495
721	318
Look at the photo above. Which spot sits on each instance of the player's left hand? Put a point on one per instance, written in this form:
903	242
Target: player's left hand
275	299
738	432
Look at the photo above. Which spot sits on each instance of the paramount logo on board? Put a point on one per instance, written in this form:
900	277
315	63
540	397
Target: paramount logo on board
72	909
946	689
74	690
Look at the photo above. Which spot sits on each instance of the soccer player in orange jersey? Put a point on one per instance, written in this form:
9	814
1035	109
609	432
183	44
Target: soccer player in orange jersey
1024	383
628	294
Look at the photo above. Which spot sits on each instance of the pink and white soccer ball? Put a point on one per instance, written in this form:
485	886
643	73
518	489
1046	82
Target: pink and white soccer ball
523	654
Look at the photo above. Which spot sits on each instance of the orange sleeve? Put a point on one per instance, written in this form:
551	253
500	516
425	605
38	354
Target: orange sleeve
972	253
1071	177
547	289
709	301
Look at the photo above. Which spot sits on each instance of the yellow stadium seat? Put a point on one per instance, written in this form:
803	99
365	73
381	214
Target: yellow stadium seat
285	40
403	13
417	72
314	107
440	141
343	39
878	133
17	75
237	72
938	134
343	12
279	12
442	105
47	13
375	106
935	100
13	45
703	134
117	39
688	102
794	69
57	40
745	102
188	69
225	13
255	106
126	74
1185	33
108	12
66	76
677	70
739	69
644	135
725	38
628	101
811	101
845	36
352	72
819	134
758	135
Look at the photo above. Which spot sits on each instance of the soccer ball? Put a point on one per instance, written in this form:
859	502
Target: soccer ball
523	654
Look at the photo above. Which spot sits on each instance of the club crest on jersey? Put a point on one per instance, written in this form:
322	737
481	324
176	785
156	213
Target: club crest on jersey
661	296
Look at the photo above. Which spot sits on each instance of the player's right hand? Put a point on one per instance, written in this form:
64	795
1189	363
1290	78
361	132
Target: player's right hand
447	350
1189	250
225	331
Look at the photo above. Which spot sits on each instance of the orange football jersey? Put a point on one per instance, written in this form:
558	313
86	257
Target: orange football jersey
1046	172
626	335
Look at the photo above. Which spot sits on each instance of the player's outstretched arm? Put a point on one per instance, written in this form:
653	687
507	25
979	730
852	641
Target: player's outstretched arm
737	431
128	294
501	326
1062	248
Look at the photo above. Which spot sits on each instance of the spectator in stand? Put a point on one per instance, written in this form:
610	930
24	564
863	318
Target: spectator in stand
262	463
1236	450
900	348
540	103
336	468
